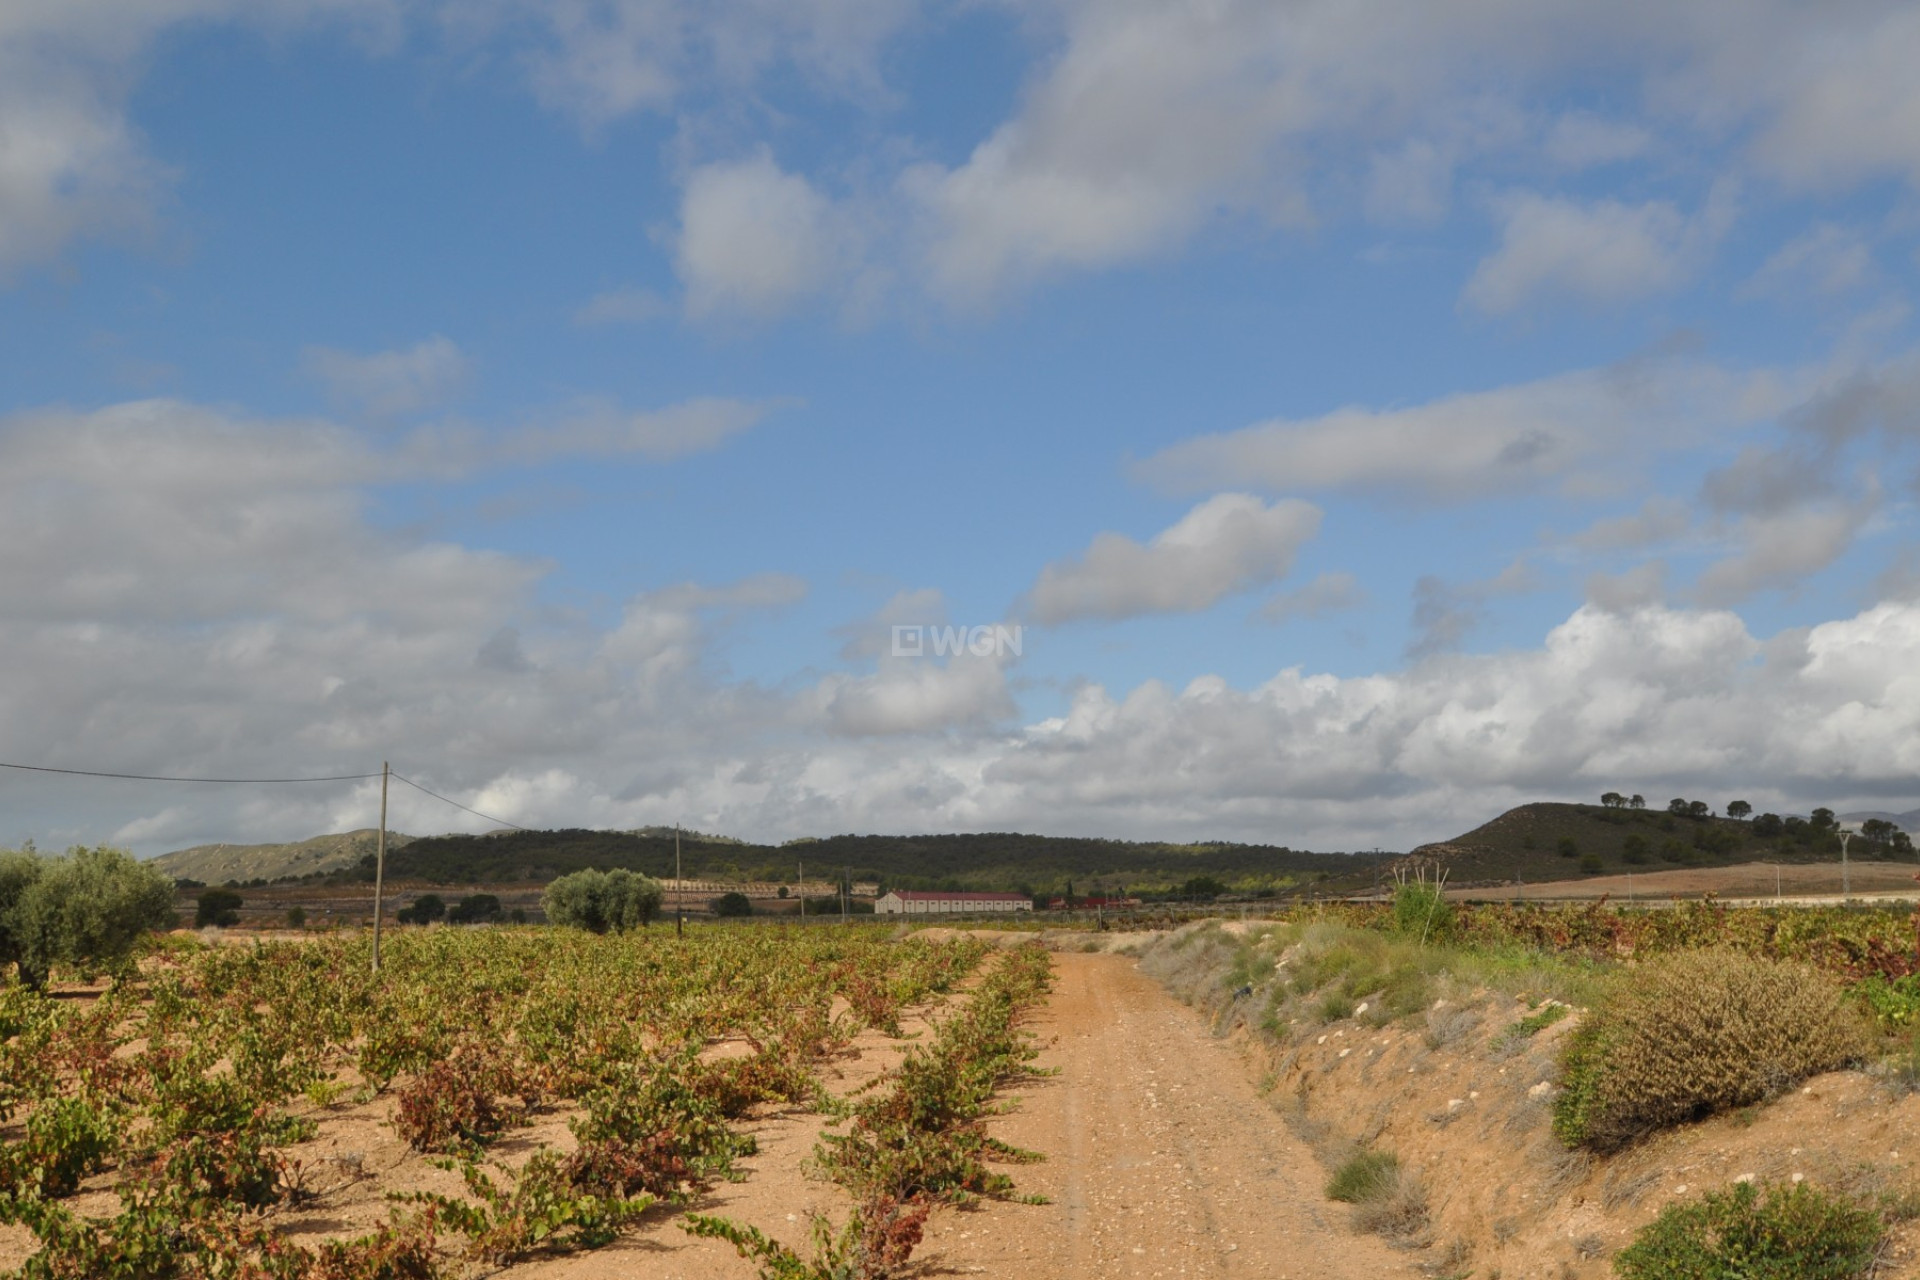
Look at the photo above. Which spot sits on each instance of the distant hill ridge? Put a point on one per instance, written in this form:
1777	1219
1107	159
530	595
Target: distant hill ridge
984	860
1534	843
218	863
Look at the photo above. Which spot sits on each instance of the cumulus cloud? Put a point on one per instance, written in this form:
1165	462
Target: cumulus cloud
185	592
1143	123
1229	543
1567	428
920	696
1646	699
754	240
1601	251
390	383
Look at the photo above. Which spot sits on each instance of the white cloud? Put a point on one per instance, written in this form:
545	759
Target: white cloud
1603	251
390	383
919	696
1230	542
185	592
753	240
1572	427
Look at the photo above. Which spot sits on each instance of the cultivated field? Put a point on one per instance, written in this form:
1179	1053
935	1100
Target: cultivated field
1353	1091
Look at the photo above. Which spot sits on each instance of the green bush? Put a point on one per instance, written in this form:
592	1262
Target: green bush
1895	1002
475	908
1634	849
426	908
1694	1033
217	907
1387	1200
86	908
731	904
1795	1233
1591	863
1364	1176
1421	912
603	901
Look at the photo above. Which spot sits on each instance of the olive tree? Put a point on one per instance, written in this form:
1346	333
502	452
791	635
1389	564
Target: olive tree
603	901
88	907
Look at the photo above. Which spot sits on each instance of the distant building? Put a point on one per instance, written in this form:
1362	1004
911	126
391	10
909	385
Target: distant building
911	903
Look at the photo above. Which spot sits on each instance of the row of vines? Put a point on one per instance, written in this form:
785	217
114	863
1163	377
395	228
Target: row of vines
183	1087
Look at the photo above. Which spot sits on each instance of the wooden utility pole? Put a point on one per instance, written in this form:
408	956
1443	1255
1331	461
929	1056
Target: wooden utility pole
679	889
380	866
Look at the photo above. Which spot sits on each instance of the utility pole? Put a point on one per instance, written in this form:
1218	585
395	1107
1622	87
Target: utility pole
679	889
380	865
1846	872
846	887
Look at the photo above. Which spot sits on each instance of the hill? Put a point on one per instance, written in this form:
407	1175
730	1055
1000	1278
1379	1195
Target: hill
994	860
219	863
1908	821
1540	842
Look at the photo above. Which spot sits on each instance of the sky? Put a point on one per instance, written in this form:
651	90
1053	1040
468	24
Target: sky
1323	423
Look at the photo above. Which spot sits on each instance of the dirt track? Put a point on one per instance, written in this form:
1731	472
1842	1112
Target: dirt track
1162	1158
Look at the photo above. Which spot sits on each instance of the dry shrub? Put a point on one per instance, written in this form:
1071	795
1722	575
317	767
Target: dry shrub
1447	1027
1387	1199
1695	1033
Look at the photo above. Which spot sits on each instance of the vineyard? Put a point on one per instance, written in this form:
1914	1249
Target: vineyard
556	1088
1875	950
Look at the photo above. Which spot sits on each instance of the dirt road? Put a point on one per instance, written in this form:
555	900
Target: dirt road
1162	1158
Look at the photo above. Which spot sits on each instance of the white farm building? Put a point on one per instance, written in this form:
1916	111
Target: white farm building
911	903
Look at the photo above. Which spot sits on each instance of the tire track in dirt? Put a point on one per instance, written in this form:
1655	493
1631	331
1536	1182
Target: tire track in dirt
1163	1160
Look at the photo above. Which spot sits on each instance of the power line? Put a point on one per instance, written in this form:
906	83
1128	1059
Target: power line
336	777
456	804
154	777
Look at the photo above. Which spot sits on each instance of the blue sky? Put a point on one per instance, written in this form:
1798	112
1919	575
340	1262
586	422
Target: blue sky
1372	419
